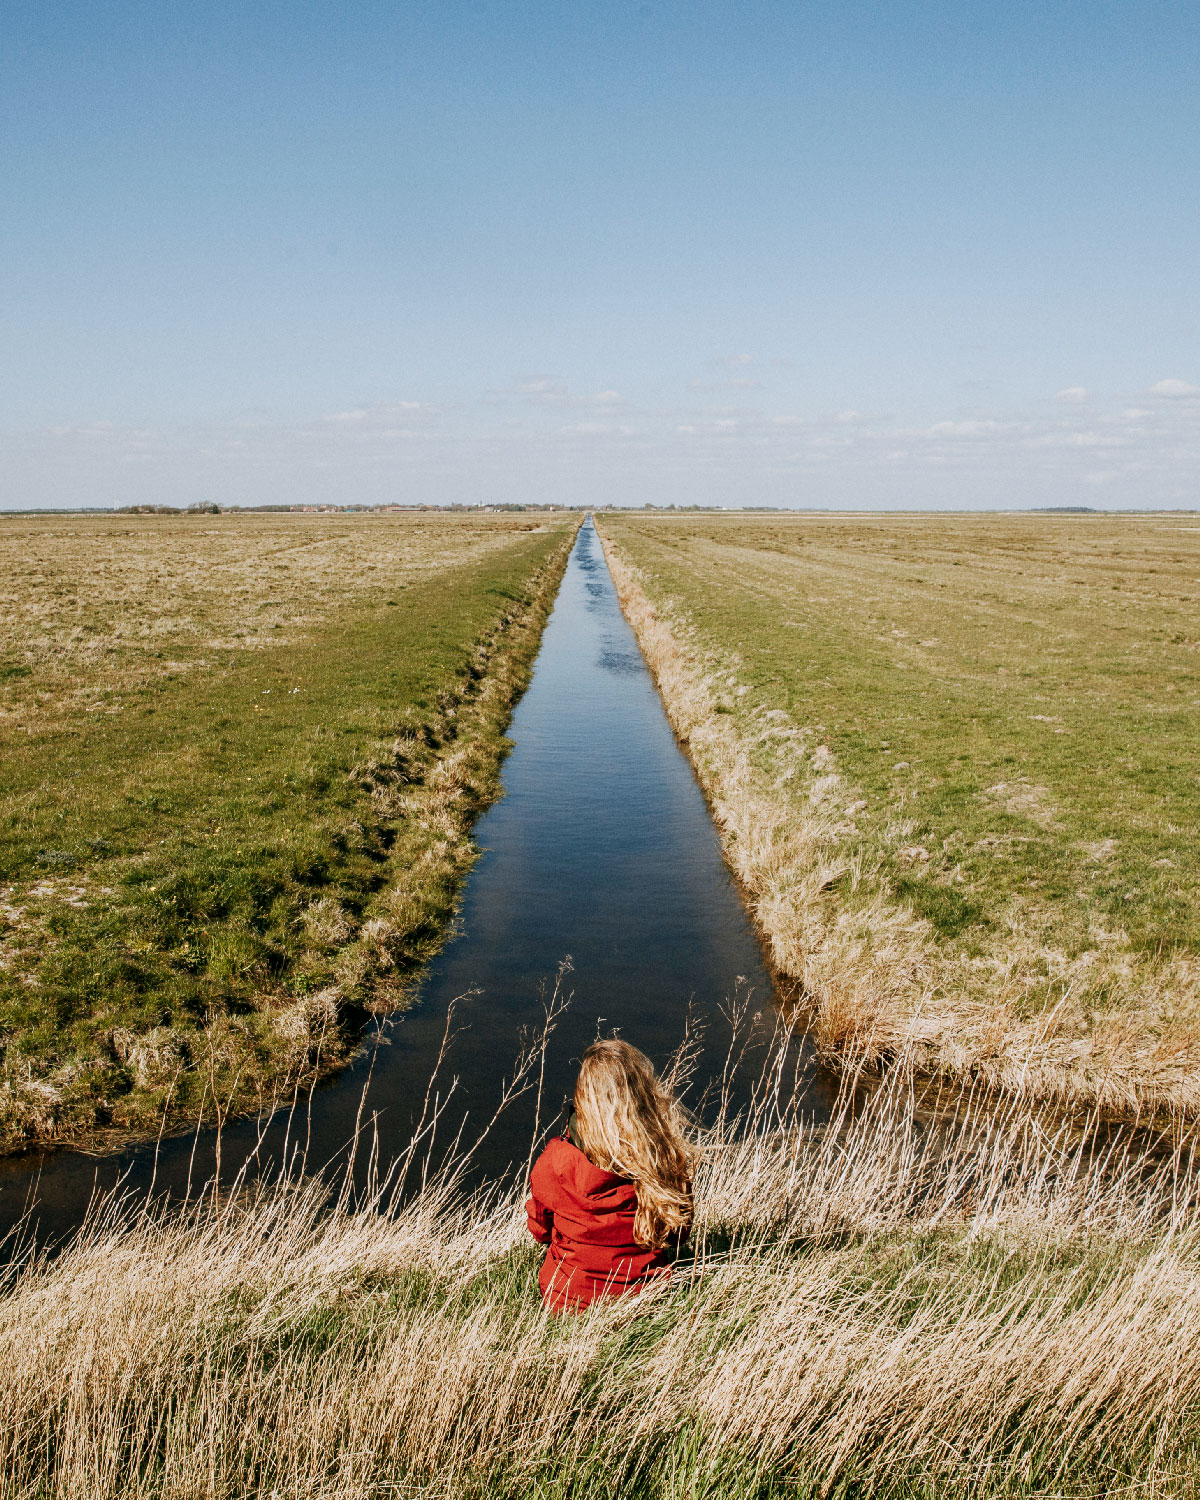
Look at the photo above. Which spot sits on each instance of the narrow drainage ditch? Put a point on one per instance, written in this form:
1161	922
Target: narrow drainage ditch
602	850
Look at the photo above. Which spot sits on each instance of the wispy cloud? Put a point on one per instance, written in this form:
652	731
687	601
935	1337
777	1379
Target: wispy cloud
547	390
600	444
735	376
378	412
542	390
598	429
710	387
971	427
1175	390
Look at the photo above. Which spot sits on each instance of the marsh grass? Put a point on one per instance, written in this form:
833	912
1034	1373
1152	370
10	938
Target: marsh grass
987	1307
241	761
951	760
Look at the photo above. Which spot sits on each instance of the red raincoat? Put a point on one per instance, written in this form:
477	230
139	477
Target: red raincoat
585	1218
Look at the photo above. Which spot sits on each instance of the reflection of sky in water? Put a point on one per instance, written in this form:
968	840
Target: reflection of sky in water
602	848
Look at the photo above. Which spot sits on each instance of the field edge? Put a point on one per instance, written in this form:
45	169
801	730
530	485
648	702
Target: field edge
432	785
864	976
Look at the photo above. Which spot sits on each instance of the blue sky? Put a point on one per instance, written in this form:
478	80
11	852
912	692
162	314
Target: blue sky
856	255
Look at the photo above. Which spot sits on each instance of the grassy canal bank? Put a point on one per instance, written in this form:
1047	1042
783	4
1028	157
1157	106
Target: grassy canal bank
242	756
952	762
870	1310
990	1306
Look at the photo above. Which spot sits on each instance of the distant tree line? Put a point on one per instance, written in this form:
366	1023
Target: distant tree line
211	508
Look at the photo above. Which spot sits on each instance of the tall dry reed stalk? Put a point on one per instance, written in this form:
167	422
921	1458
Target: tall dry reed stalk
875	1306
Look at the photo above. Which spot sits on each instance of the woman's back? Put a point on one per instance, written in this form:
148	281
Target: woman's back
585	1216
614	1200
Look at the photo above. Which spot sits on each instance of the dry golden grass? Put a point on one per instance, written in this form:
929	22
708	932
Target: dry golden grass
872	1308
950	761
96	606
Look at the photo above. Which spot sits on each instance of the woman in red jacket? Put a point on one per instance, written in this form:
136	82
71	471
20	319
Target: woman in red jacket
612	1201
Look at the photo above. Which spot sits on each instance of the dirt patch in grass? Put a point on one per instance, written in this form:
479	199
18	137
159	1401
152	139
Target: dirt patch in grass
225	844
953	764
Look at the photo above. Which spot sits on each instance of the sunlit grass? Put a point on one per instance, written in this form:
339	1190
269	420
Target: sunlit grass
987	726
873	1307
222	840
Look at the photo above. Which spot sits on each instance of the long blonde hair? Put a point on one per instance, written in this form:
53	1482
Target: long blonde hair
631	1124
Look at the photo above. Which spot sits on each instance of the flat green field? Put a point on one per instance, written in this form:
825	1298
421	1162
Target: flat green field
983	730
240	760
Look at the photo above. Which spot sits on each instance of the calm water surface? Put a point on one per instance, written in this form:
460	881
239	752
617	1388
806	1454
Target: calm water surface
603	851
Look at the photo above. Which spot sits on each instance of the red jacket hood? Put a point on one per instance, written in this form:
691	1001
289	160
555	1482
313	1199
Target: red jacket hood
567	1176
585	1218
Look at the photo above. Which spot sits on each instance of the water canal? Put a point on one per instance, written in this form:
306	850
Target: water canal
602	850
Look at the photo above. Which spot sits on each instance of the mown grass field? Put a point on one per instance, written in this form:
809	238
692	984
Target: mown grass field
954	759
241	756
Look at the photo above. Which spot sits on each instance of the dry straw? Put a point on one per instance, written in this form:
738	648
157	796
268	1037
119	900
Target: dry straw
878	1305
